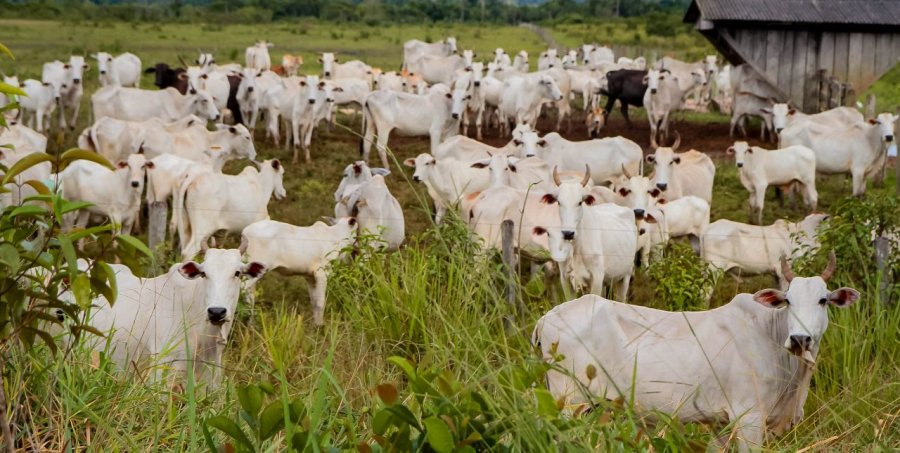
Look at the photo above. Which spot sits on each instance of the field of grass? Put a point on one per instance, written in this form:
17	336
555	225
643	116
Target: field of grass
435	302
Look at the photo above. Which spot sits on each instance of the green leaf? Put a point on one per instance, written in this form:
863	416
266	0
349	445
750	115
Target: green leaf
403	413
24	164
9	256
251	399
300	440
387	393
103	270
136	243
5	50
438	435
45	337
231	429
70	206
271	420
69	252
6	88
404	365
81	288
83	154
267	387
546	403
28	209
207	436
382	421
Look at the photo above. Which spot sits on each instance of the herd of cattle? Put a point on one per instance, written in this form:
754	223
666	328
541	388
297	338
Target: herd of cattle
587	206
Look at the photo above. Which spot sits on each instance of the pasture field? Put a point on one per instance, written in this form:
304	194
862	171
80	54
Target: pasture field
436	302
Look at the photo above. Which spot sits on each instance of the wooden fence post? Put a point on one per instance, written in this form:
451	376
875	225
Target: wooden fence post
882	251
509	257
870	106
897	157
156	225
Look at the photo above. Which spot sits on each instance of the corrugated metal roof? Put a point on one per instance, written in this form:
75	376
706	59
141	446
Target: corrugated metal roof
848	12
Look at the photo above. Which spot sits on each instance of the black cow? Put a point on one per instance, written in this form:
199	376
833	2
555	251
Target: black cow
628	86
234	80
168	77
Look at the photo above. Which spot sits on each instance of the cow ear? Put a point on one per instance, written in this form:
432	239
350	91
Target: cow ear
86	66
517	142
232	129
320	60
338	90
149	165
548	198
122	164
67	66
766	110
352	221
303	83
771	298
254	269
590	200
730	150
149	70
539	231
512	167
843	297
661	201
479	164
383	171
651	158
204	76
410	162
191	270
649	218
792	111
542	143
873	121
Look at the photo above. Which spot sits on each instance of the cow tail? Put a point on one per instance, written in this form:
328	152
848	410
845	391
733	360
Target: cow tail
365	122
180	219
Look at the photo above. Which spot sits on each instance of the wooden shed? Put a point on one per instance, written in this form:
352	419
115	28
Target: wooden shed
815	52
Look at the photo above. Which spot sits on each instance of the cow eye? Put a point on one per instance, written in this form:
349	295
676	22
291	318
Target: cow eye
237	273
823	301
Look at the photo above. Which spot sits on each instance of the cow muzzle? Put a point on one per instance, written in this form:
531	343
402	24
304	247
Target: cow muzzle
455	116
652	90
312	101
135	184
778	130
216	315
417	179
250	90
102	72
798	344
662	186
478	84
568	235
328	74
888	138
740	165
639	213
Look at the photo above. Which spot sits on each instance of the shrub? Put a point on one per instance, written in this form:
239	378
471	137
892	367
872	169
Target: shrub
682	279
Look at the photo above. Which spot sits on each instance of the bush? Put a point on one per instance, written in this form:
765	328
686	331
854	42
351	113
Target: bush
682	279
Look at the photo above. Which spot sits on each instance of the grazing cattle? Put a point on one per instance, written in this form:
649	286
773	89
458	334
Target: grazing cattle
279	100
19	188
626	86
123	70
447	180
168	77
759	168
744	363
584	83
437	69
746	105
682	174
355	69
294	250
595	55
38	104
178	320
291	64
308	111
218	85
378	212
784	115
409	115
858	148
520	63
116	139
415	49
355	174
209	202
549	59
685	217
115	194
251	93
522	97
751	249
662	97
257	56
134	104
169	170
390	81
66	80
348	92
606	156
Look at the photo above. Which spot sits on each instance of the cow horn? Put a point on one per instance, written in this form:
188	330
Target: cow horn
625	172
829	269
244	243
181	59
587	175
786	269
653	143
677	142
556	176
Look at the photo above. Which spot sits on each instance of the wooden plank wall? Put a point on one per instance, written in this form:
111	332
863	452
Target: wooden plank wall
792	59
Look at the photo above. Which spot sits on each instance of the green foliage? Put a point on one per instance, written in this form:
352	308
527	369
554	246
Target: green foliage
682	279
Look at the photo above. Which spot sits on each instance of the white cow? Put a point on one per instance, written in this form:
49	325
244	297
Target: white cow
744	364
747	104
123	70
134	104
178	320
501	58
415	49
378	212
213	82
759	168
251	93
522	97
549	59
38	104
209	202
606	156
437	69
390	81
409	115
168	171
355	69
257	56
665	94
682	174
595	55
294	250
752	249
23	138
685	217
279	100
309	111
66	79
520	63
858	149
355	174
115	194
784	115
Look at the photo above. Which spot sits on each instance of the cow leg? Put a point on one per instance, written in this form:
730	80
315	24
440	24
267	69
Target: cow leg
75	110
760	196
750	431
368	134
82	221
382	148
317	285
625	114
859	183
479	114
733	124
622	289
811	196
62	116
297	140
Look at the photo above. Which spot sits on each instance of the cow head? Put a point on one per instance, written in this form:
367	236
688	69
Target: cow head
586	50
571	195
500	166
236	140
498	54
885	123
355	174
458	100
273	169
560	248
204	60
666	161
204	106
741	151
328	60
135	169
468	57
477	71
75	70
570	59
532	145
312	88
710	66
550	88
595	121
424	164
652	80
248	82
221	270
806	301
699	77
450	45
637	192
780	113
104	62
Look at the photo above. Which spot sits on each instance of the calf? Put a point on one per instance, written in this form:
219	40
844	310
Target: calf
179	320
294	250
291	64
747	104
209	202
743	364
115	194
123	70
759	168
251	93
38	103
308	111
750	249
